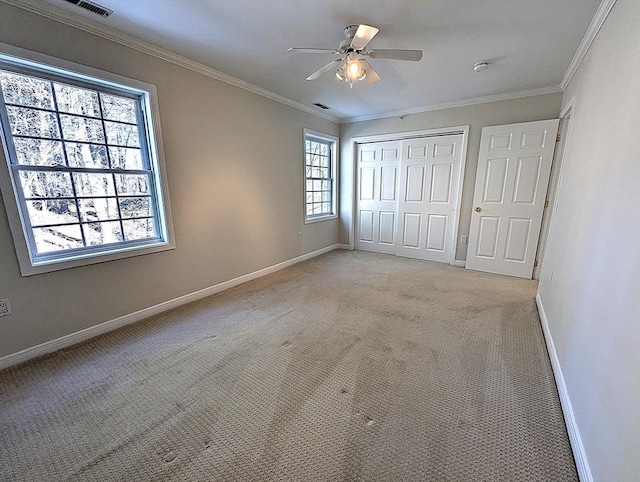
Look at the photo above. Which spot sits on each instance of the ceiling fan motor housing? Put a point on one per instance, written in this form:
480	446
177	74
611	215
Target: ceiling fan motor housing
345	46
350	31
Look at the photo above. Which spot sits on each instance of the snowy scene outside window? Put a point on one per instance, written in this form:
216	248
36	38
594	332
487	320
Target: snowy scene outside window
319	183
80	163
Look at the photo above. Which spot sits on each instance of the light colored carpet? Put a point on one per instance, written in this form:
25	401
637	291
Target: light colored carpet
351	366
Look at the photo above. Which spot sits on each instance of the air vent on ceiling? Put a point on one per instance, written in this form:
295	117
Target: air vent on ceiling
92	7
322	106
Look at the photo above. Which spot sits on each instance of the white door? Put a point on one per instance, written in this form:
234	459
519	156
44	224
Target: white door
514	163
429	172
377	196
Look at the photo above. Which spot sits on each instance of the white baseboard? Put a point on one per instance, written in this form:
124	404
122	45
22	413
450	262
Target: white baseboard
93	331
579	454
345	246
460	263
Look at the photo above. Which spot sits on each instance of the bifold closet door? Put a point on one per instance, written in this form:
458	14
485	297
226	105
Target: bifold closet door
377	196
407	194
429	173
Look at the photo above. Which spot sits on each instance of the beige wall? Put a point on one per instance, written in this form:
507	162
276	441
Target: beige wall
234	163
476	116
590	279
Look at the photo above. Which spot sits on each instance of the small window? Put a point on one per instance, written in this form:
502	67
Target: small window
320	166
84	166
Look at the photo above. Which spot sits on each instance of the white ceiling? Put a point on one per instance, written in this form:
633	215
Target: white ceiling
530	44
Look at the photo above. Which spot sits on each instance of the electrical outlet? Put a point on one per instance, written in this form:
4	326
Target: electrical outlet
463	240
5	307
300	236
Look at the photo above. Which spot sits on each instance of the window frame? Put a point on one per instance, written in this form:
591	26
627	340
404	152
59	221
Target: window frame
23	61
333	141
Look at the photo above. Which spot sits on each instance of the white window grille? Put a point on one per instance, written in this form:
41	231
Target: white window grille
83	161
320	167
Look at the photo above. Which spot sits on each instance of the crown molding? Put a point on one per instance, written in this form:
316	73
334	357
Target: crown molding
458	103
598	19
153	50
150	49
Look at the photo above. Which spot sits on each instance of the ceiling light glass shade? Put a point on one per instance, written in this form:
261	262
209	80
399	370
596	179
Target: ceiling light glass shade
355	70
350	71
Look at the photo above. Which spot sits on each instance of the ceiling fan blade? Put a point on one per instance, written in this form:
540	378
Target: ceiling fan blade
312	51
324	69
394	54
363	36
372	76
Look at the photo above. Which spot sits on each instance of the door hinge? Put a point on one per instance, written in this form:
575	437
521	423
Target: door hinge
535	263
546	204
558	138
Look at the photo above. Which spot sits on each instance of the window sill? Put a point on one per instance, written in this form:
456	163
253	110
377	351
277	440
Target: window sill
320	218
29	269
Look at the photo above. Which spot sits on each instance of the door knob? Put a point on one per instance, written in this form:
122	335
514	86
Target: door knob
478	209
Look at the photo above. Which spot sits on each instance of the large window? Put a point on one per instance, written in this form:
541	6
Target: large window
320	166
83	162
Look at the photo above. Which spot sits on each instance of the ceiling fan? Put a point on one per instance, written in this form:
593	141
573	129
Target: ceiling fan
352	65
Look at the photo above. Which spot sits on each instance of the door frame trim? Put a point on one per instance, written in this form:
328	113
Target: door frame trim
558	162
401	136
554	183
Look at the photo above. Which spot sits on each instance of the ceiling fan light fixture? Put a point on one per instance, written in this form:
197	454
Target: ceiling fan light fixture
353	66
354	70
351	71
